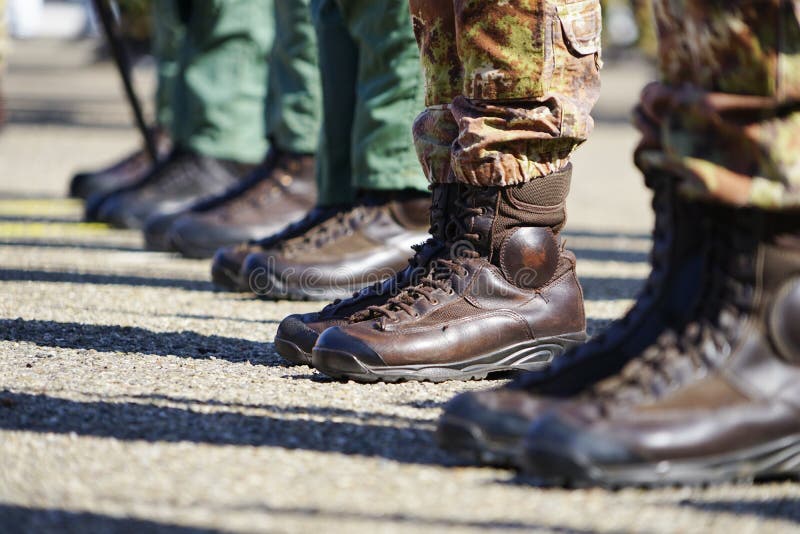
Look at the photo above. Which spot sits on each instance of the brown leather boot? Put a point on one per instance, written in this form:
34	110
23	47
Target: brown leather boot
507	298
122	173
718	400
283	191
226	268
298	333
489	426
361	245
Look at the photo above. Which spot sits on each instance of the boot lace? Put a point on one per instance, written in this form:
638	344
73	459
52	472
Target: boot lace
313	218
417	266
461	241
340	225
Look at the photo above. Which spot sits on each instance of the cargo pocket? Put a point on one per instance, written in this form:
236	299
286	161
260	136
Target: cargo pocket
581	25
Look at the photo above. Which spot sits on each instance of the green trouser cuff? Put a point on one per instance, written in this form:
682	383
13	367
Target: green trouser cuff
372	90
168	36
224	83
294	101
248	73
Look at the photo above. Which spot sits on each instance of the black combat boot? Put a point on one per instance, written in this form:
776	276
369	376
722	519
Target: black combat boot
183	179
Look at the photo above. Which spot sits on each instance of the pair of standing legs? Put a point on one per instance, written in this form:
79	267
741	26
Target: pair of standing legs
699	382
373	200
239	95
509	87
235	76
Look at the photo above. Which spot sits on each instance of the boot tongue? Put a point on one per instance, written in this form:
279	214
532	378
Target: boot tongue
469	228
441	195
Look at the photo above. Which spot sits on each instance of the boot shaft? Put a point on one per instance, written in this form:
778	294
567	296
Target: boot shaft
763	276
516	227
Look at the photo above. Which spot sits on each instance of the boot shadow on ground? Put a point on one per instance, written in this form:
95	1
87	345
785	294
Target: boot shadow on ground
599	288
22	519
133	339
779	508
296	410
64	244
131	421
603	254
32	275
786	509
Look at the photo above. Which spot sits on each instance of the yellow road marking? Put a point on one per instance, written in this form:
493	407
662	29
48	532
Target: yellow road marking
11	230
40	206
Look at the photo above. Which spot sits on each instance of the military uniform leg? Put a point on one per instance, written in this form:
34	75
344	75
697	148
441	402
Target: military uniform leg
724	118
294	101
222	100
389	93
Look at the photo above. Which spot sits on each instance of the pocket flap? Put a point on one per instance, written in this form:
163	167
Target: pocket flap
582	24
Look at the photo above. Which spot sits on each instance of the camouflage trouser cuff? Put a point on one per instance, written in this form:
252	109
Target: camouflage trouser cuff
736	149
501	144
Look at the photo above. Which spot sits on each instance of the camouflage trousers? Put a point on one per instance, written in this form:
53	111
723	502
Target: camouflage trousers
509	86
725	117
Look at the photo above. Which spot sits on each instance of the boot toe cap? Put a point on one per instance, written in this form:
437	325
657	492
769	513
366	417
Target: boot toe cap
156	232
198	236
258	272
484	426
226	268
340	354
560	450
122	210
80	186
296	338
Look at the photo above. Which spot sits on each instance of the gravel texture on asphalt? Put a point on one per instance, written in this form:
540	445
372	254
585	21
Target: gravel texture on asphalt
135	398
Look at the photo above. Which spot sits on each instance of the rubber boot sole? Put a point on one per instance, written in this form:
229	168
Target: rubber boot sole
274	289
529	356
778	459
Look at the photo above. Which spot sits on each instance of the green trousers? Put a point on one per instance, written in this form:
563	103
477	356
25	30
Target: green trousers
235	75
372	90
